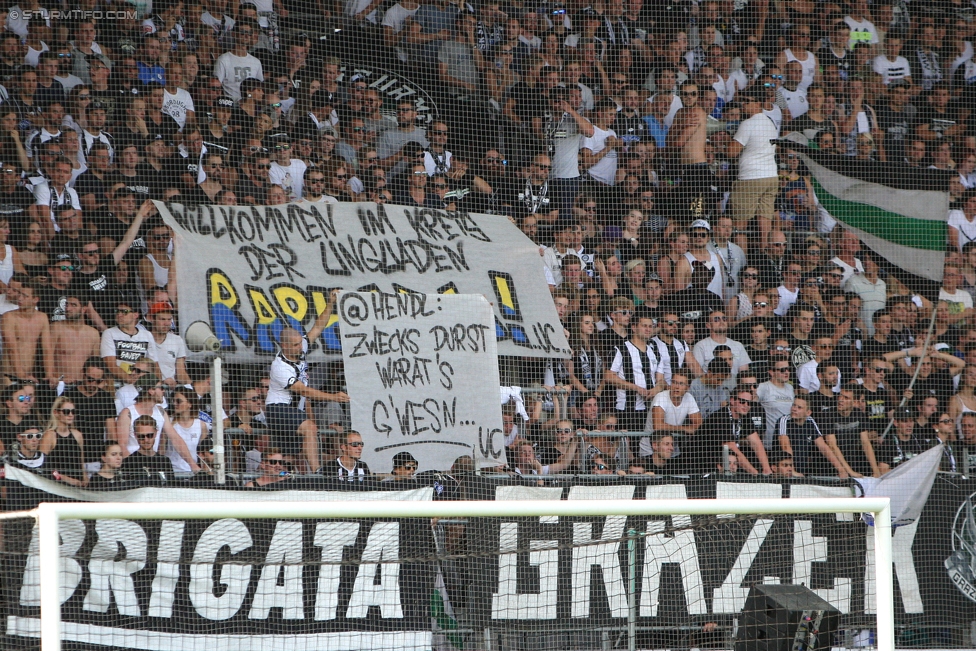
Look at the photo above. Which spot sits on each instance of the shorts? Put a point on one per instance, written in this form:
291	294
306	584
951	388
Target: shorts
753	197
283	422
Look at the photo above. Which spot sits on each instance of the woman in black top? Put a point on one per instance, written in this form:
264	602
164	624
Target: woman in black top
109	476
63	443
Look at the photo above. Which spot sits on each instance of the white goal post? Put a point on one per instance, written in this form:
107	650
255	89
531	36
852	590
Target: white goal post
49	515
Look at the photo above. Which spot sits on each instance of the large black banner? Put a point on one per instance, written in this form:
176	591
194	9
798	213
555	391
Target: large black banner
246	584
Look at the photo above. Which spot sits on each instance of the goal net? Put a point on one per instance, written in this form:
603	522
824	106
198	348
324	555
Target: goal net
525	574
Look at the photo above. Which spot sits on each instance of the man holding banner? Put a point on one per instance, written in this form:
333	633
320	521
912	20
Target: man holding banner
293	432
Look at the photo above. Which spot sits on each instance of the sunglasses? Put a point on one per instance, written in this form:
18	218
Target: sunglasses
283	147
781	369
750	275
719	319
319	180
274	462
68	412
91	380
411	467
760	304
671	322
265	166
341	177
25	398
599	466
624	312
879	369
150	435
782	348
945	421
275	105
124	311
564	430
440	186
31	436
358	444
66	267
95	252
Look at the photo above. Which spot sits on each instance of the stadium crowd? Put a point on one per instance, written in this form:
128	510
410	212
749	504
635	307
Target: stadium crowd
711	302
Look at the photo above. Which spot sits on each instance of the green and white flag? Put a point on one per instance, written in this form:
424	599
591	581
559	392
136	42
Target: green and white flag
891	212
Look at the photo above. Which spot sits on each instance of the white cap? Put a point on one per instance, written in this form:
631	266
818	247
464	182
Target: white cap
700	223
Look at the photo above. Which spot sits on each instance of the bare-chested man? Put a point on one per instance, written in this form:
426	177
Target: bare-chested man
686	140
74	341
23	330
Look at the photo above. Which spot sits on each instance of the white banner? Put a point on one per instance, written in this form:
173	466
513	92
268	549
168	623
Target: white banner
422	376
249	271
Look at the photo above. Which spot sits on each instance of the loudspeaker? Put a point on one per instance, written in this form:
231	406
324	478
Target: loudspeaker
199	338
786	618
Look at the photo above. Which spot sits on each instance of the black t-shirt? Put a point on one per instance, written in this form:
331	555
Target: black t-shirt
807	457
92	412
702	451
53	302
96	287
167	127
938	384
693	305
61	243
20	197
893	451
871	347
88	183
897	127
821	408
245	188
98	483
878	403
137	184
146	469
156	180
847	430
939	122
113	103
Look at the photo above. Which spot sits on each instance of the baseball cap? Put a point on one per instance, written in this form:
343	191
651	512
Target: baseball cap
224	102
162	306
401	459
700	223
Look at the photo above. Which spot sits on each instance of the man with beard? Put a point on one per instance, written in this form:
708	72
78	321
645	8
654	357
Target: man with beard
493	168
532	196
390	143
673	352
74	341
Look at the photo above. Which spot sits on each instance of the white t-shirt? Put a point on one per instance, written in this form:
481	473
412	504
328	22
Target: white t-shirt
231	70
673	415
858	30
191	436
849	271
891	70
290	178
796	101
776	402
353	7
958	301
177	104
285	373
172	349
758	157
704	352
126	349
43	196
966	228
786	300
605	171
